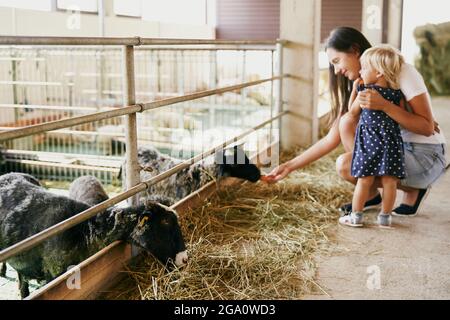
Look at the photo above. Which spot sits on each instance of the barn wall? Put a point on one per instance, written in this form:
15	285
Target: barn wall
248	20
41	23
340	13
253	19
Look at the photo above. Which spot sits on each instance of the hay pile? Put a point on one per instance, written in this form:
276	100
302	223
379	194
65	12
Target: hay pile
434	59
252	241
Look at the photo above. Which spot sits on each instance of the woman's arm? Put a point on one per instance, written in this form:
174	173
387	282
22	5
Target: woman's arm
420	121
316	151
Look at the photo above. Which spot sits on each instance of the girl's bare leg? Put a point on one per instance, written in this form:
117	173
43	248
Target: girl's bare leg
361	193
409	194
347	128
389	193
343	164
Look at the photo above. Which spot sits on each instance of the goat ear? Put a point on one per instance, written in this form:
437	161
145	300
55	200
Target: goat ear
151	205
119	215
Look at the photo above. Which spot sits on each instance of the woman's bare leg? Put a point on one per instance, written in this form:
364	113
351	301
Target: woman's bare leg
343	165
347	128
409	195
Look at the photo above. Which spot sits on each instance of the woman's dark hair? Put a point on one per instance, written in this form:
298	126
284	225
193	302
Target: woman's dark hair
343	39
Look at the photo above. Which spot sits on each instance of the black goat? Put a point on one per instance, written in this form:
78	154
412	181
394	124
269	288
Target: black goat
26	209
194	177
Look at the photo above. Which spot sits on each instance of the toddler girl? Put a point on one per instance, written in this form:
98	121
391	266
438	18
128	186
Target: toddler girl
378	148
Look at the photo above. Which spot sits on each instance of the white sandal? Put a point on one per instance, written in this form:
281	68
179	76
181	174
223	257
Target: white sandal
352	219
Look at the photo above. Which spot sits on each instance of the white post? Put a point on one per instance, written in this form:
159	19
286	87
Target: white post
101	18
394	23
279	88
212	85
300	26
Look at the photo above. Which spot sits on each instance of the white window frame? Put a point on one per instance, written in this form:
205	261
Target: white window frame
128	15
64	5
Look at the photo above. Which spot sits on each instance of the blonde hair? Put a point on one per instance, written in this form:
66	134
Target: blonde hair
387	60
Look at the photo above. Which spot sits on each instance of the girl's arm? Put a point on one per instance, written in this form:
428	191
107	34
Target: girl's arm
354	107
420	121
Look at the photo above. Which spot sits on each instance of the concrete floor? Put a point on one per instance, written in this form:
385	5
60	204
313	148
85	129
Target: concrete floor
411	261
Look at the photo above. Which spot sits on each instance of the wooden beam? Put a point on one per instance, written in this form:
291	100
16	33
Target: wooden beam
96	271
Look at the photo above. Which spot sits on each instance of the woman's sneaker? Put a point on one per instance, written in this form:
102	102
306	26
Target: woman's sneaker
352	219
405	210
373	203
384	220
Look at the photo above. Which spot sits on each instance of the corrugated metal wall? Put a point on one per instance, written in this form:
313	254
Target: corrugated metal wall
248	19
340	13
260	19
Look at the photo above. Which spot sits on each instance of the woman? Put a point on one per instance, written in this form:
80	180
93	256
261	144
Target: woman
423	142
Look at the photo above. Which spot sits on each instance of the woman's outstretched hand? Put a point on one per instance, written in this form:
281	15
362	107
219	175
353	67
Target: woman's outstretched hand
277	174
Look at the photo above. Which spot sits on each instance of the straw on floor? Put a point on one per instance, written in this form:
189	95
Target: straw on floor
250	241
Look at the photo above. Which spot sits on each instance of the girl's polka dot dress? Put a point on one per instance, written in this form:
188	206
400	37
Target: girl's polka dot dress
378	143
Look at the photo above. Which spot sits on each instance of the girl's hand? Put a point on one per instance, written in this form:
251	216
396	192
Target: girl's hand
436	127
278	173
371	99
357	83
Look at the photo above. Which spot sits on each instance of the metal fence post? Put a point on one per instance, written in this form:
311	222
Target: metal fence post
279	101
212	85
132	171
243	91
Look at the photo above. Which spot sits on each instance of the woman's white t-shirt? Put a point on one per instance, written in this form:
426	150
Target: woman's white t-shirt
412	85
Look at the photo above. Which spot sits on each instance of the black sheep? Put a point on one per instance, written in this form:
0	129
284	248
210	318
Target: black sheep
87	189
34	181
26	209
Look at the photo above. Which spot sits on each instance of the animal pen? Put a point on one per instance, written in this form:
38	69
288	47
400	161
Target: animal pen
47	83
53	127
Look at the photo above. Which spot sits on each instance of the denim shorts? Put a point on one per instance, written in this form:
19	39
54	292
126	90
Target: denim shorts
424	164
